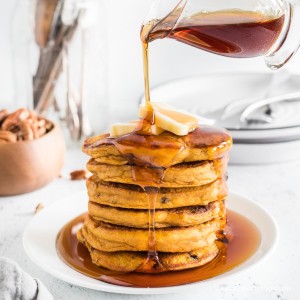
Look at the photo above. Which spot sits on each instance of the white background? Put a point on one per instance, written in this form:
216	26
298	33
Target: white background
276	187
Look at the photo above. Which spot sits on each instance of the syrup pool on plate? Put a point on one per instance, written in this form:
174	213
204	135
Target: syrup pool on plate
245	242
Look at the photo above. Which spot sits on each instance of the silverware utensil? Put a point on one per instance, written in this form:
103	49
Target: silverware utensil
246	113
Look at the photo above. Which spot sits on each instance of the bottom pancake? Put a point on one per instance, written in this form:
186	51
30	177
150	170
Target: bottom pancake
127	261
110	238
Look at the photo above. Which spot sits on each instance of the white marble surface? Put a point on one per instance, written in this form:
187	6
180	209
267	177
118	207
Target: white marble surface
276	187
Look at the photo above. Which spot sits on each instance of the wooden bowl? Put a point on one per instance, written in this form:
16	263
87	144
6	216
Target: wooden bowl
28	165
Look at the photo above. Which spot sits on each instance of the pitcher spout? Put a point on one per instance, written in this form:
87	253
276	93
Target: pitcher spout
161	19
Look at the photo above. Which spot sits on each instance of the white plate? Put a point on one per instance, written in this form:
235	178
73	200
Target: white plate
206	93
40	236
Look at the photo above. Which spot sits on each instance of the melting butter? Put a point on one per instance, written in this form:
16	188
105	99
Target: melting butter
165	118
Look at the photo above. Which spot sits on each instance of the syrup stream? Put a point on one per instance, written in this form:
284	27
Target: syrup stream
219	32
146	73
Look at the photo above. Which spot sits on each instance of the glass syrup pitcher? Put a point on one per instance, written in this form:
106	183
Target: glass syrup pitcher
232	28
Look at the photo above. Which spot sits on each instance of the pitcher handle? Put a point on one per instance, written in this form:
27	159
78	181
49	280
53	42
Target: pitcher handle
287	45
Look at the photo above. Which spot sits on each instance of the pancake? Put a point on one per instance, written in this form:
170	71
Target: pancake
180	175
125	261
133	196
204	143
182	216
107	237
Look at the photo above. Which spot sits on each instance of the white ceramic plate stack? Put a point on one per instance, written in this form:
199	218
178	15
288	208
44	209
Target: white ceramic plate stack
258	143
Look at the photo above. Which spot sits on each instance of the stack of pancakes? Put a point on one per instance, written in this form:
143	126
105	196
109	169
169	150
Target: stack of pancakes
190	204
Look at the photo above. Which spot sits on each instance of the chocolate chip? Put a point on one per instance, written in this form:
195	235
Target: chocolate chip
194	256
155	266
164	200
223	240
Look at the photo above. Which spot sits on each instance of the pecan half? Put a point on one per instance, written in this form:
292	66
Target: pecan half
3	115
38	208
7	137
79	175
25	131
13	119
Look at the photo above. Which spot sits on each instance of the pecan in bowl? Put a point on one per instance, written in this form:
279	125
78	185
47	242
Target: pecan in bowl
32	151
22	125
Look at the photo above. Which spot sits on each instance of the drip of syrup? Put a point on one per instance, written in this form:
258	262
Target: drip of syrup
245	242
152	256
148	173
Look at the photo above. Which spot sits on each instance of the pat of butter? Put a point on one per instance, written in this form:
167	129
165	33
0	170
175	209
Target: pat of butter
166	118
169	118
120	129
156	130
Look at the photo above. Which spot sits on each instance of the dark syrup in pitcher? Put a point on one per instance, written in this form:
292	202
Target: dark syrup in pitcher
229	33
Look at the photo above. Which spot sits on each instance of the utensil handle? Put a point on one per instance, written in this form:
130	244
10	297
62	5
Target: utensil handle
256	105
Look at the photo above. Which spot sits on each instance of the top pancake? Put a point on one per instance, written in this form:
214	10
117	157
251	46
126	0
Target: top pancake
204	143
